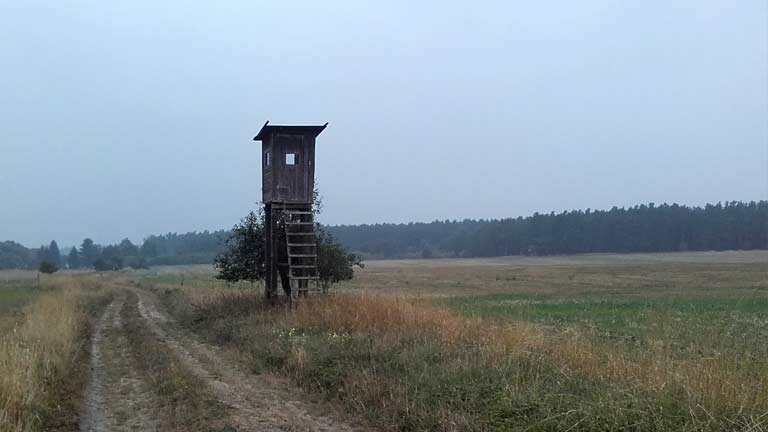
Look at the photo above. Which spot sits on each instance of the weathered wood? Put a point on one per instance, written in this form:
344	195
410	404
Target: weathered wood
284	182
288	183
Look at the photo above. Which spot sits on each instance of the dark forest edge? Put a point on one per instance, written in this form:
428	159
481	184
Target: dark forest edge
643	228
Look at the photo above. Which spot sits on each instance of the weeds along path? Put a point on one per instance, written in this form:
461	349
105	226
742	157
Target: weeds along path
116	397
259	403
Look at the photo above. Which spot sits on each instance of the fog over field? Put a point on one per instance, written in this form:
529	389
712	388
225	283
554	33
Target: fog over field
124	120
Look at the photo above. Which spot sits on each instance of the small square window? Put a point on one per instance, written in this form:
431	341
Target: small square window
267	159
291	159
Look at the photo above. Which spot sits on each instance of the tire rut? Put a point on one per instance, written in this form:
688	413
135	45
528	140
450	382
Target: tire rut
116	398
258	403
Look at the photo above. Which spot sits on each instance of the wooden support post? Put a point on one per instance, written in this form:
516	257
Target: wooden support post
270	286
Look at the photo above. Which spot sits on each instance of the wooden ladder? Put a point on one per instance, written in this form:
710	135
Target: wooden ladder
302	253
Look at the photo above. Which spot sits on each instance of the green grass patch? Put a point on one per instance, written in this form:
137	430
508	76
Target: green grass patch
693	328
607	314
14	296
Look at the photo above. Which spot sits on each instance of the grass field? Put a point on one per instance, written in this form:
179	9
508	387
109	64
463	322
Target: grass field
646	342
43	328
596	342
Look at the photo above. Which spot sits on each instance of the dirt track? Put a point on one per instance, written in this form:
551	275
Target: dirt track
118	399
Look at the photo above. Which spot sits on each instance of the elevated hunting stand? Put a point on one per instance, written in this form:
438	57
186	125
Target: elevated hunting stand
288	188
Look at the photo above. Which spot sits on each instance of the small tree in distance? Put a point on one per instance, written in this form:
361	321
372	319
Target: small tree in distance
48	267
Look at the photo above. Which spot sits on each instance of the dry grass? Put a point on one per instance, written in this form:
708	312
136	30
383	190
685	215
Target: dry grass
366	348
7	276
567	283
715	385
39	351
367	313
660	343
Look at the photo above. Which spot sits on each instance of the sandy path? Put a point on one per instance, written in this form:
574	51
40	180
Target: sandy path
259	403
116	398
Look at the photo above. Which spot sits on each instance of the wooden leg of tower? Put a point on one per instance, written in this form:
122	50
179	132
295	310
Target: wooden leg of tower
272	271
285	281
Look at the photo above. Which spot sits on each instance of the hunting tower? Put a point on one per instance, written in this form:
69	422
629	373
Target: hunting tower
288	186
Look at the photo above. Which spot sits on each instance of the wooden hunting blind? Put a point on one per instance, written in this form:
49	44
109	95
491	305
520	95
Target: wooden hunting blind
288	185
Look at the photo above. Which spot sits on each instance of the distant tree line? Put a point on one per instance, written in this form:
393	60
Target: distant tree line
167	249
16	256
188	248
643	228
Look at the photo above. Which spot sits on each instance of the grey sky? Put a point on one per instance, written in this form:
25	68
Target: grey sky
127	118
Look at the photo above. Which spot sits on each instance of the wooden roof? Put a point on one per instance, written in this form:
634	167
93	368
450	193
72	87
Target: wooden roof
269	129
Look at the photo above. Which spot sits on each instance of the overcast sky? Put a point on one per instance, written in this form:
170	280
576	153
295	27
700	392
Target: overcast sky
128	118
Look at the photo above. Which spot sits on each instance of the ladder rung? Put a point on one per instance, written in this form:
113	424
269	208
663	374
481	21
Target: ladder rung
299	223
300	233
303	266
302	256
298	212
302	245
303	277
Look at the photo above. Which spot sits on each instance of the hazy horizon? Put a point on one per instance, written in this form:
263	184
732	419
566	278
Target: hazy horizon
125	120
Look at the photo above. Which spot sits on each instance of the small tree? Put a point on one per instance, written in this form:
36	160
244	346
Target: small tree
48	267
334	262
102	265
245	254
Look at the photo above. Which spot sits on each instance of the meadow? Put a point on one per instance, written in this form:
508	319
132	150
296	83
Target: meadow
44	325
647	342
